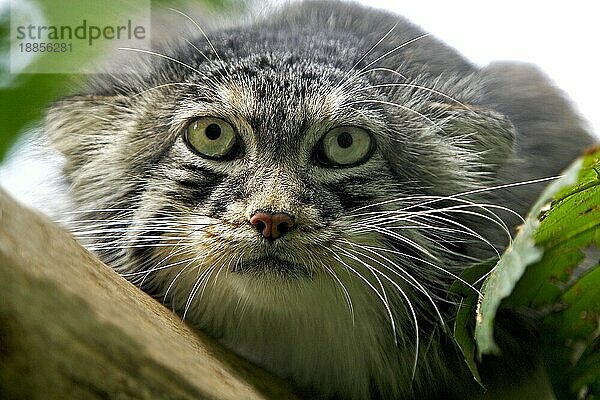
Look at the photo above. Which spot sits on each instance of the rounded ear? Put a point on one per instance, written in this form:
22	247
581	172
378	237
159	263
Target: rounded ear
80	126
482	130
544	117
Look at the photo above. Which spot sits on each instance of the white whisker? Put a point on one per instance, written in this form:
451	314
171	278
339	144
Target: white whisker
367	53
394	50
407	302
406	276
370	285
409	109
201	31
153	53
435	199
420	87
344	290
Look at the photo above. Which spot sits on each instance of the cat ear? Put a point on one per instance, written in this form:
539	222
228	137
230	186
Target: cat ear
476	128
81	126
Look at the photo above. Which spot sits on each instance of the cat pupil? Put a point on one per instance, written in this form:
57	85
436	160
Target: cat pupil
344	140
213	131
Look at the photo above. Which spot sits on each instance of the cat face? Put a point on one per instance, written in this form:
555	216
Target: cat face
264	135
284	182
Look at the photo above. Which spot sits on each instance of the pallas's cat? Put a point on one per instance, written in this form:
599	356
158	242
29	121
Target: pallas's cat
305	187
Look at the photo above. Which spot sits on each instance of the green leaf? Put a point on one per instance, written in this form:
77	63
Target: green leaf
571	340
23	103
512	265
553	266
464	321
571	225
568	284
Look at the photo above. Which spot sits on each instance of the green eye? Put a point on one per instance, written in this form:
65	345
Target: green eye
211	137
346	146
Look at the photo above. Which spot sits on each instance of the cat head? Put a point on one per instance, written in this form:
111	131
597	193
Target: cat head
282	154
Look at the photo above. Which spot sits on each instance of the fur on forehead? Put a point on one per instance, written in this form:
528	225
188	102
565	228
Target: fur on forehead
404	117
431	118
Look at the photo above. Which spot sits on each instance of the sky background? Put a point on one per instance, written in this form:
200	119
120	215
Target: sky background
561	37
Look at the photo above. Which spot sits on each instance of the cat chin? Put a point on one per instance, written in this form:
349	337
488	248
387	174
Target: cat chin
273	269
343	339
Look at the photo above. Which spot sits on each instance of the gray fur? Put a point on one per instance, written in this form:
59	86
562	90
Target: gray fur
315	306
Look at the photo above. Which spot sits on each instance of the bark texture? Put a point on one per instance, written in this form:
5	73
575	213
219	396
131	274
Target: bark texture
71	328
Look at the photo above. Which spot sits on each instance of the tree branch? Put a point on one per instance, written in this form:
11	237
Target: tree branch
70	327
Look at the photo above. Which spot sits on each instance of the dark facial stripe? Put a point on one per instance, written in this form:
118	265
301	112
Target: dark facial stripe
197	187
351	193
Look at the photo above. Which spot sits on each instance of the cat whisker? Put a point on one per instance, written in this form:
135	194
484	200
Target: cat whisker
201	31
171	254
198	50
429	263
366	55
203	277
200	282
396	269
145	233
466	204
332	273
183	242
107	235
419	87
125	215
131	239
153	53
389	103
369	284
434	199
128	247
158	267
395	49
403	215
99	210
175	251
379	69
132	225
508	185
407	303
428	231
465	229
399	237
172	283
168	85
447	234
121	221
358	74
146	272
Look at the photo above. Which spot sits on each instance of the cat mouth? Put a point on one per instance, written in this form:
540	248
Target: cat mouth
273	265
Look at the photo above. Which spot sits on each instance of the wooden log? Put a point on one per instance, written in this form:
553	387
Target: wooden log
71	328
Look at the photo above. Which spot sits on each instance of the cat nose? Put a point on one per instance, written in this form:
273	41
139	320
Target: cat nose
272	225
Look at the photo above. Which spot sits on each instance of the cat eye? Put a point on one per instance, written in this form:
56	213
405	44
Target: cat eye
211	137
345	146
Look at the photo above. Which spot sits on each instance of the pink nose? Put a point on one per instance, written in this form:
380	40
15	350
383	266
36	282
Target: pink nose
272	225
